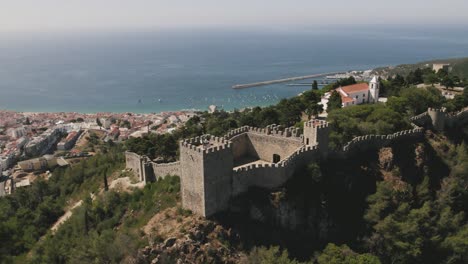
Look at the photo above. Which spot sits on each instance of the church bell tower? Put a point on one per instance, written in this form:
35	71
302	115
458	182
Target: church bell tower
374	87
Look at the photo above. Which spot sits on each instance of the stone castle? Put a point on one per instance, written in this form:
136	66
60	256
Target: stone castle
215	169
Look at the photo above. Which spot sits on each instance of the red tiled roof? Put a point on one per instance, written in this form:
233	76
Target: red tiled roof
345	99
355	88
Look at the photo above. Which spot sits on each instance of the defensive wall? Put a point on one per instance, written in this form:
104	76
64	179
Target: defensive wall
440	119
215	169
367	142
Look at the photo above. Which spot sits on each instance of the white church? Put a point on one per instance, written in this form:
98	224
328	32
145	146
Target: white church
355	94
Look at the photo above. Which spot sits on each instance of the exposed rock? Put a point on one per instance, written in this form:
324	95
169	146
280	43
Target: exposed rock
169	242
191	240
386	159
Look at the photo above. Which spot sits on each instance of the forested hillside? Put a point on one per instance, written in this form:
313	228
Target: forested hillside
402	204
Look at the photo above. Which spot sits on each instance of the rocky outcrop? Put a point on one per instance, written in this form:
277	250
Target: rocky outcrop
190	239
386	159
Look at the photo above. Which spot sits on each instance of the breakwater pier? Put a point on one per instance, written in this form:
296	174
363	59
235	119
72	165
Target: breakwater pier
249	85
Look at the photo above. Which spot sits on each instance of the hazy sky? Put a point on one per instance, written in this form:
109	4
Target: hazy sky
50	15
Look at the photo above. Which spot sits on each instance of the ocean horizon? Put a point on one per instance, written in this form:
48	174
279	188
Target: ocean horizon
155	71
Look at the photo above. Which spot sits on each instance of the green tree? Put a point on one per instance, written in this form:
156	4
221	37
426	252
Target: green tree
431	78
334	102
272	255
334	254
315	85
448	82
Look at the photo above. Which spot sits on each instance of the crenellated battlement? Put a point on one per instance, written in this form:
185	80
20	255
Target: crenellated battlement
206	144
437	110
378	141
316	123
422	116
209	178
271	130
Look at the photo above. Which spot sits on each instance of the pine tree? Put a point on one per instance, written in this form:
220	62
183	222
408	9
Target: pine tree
315	85
106	184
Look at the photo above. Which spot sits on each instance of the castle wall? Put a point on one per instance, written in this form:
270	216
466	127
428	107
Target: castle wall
422	120
133	162
242	147
271	175
191	179
459	118
438	117
266	146
209	179
367	142
162	170
217	179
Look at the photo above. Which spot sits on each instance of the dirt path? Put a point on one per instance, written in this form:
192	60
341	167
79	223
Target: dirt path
121	184
65	217
125	184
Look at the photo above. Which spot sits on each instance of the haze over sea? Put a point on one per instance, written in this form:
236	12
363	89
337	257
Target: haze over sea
185	69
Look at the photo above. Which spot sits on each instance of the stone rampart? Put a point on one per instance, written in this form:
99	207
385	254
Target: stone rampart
421	120
148	171
458	118
135	163
271	175
367	142
271	130
210	178
164	169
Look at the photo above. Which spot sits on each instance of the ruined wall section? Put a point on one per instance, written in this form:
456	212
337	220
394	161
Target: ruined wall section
135	163
164	169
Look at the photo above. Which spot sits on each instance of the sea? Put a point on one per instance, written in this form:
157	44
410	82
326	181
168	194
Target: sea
147	71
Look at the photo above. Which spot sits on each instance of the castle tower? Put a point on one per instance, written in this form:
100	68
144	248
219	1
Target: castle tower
374	87
206	174
438	117
317	132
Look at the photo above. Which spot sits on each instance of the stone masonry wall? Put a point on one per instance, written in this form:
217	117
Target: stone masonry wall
191	179
218	166
242	148
422	120
271	175
164	169
266	146
378	141
206	166
134	163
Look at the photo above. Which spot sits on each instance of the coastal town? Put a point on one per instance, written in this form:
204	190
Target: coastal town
33	144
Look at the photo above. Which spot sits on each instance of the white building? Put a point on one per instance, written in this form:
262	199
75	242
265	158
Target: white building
355	94
17	132
440	66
